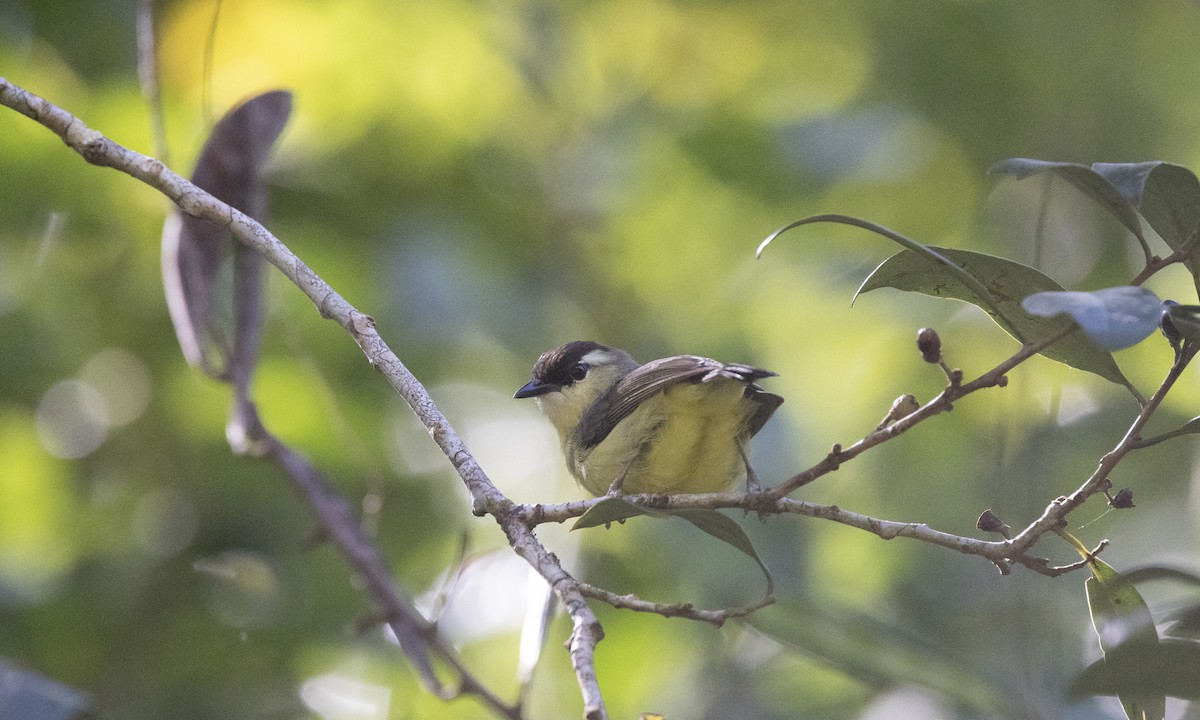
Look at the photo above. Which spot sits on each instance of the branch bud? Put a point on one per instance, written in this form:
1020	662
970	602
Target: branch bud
1123	500
930	345
990	522
903	405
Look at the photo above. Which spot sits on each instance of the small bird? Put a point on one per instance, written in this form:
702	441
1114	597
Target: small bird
675	425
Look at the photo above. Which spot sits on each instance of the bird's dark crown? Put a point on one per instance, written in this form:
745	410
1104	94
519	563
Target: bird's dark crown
554	366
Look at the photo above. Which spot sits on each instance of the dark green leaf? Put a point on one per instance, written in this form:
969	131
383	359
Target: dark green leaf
1008	283
1167	196
1087	180
933	256
725	529
717	524
1129	179
1119	613
1168	668
608	511
1185	622
1125	628
1147	573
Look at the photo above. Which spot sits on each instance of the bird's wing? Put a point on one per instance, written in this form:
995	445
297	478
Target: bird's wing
656	376
767	402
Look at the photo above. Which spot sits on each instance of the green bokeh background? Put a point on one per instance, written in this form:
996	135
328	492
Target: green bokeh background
491	179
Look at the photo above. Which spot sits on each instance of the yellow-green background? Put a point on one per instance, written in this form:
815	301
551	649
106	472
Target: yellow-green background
489	179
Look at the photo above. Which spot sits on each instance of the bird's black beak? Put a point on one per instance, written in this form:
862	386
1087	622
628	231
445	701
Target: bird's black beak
536	387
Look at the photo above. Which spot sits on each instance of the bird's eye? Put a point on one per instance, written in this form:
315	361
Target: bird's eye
579	372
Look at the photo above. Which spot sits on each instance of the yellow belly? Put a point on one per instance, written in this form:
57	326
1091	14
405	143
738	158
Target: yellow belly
686	441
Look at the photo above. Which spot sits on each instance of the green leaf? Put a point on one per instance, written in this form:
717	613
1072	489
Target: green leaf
1087	180
1147	573
608	511
1168	668
717	524
1124	628
934	256
1185	622
1119	613
725	529
1167	196
1008	283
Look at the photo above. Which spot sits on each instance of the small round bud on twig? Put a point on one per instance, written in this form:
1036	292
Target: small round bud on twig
930	345
990	522
903	405
1123	500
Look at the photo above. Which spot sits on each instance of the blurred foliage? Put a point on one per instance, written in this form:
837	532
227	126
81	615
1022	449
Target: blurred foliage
488	180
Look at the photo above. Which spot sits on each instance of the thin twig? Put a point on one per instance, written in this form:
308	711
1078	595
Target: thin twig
1056	512
674	610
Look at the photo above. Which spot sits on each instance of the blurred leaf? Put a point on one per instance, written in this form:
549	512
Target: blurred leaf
1008	282
27	695
1087	180
850	642
198	277
1185	622
933	257
1113	318
1168	668
1147	573
1123	623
